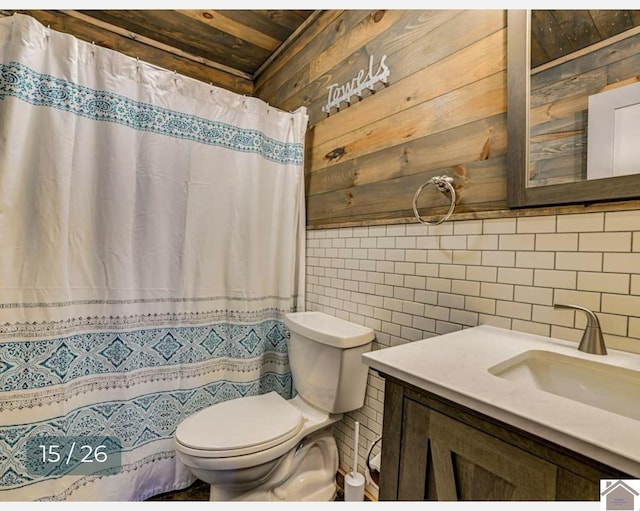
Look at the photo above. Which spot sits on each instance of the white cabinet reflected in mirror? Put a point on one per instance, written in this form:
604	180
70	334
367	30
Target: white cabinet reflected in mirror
613	136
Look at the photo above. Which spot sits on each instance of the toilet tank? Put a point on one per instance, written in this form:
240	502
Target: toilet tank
325	360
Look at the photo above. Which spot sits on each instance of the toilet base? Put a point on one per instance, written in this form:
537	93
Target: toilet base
306	473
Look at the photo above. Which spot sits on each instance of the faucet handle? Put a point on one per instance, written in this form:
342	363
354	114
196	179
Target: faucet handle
592	340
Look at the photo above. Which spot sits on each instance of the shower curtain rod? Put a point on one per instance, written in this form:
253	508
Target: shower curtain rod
155	44
163	47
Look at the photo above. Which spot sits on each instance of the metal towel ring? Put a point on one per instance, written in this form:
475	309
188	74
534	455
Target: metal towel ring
445	185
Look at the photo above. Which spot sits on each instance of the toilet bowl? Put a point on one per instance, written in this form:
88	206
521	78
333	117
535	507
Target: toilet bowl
256	459
267	448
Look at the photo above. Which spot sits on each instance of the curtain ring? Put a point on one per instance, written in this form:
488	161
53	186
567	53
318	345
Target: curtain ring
444	185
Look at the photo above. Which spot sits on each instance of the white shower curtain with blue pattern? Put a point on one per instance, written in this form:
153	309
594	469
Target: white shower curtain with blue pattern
151	240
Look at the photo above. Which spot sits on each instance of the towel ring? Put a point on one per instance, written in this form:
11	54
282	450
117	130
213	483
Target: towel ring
445	185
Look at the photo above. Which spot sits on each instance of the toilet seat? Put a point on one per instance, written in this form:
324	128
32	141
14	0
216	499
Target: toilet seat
240	426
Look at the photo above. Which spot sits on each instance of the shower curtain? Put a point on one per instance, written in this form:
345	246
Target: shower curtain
151	240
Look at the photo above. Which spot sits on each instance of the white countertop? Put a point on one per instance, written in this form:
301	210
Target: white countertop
455	366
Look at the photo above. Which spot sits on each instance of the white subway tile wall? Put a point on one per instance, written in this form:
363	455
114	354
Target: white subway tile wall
411	282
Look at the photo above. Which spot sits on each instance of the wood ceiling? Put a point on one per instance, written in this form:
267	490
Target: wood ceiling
226	47
555	33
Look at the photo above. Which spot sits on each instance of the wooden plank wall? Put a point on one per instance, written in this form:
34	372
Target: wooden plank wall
443	112
560	93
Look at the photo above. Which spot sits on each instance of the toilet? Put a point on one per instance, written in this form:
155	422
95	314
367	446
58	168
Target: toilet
267	448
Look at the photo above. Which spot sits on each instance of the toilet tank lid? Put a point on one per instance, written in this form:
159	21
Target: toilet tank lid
328	329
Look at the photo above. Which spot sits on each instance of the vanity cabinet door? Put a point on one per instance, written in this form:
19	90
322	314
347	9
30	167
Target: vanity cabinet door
471	465
433	449
443	459
414	453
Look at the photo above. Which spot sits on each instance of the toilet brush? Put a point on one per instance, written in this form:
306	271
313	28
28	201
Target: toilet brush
354	481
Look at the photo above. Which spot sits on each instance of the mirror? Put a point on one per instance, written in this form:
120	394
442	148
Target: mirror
556	61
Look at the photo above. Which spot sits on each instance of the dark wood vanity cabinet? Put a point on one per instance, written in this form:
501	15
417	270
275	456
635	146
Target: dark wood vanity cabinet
433	449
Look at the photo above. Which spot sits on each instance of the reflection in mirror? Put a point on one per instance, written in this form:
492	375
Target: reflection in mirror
576	55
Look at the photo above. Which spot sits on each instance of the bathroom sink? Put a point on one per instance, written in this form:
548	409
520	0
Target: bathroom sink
611	388
545	386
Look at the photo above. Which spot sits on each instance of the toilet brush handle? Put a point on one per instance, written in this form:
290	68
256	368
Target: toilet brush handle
356	438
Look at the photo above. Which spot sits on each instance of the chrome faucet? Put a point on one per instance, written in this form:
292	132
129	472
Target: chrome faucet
592	340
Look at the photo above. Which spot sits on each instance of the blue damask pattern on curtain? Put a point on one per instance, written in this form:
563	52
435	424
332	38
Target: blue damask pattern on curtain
45	90
42	363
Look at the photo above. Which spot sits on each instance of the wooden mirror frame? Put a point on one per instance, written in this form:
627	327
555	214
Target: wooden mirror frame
518	193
